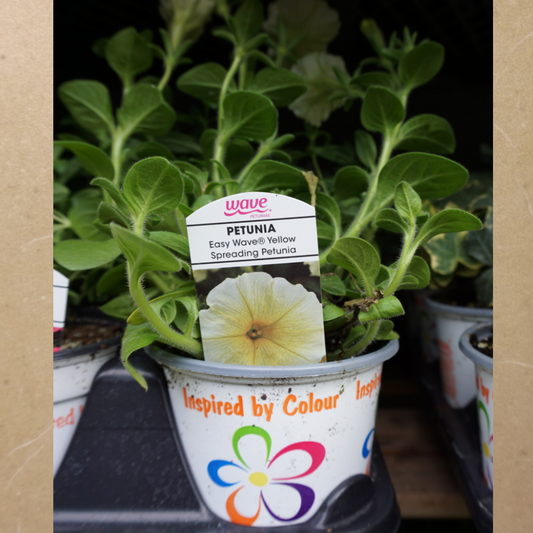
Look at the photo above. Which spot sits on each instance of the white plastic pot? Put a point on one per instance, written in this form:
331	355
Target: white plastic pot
267	445
74	371
457	371
484	375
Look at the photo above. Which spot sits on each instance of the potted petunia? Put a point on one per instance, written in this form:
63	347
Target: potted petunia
461	268
273	373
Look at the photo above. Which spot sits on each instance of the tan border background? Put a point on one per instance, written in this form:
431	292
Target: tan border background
26	260
26	266
513	246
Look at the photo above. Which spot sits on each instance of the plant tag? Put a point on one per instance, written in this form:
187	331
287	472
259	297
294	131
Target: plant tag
60	306
255	264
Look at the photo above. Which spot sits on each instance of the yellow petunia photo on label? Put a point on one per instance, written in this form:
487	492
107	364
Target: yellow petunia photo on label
258	319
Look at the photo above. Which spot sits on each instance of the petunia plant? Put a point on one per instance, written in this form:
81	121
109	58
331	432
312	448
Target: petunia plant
157	173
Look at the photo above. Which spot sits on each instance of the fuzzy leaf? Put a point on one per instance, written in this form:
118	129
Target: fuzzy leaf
407	202
358	257
350	182
449	221
421	64
204	82
390	220
280	85
382	110
387	307
427	133
82	255
331	312
333	285
92	159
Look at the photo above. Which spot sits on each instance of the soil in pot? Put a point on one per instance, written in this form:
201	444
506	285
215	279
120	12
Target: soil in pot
76	334
484	345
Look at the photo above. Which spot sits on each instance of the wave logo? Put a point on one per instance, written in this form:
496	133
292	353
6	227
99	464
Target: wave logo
258	479
246	206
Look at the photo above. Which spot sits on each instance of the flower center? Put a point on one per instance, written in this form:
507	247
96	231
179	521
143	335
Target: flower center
254	332
258	479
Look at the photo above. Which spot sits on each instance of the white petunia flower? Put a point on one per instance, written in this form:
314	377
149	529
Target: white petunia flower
314	20
185	18
256	319
317	71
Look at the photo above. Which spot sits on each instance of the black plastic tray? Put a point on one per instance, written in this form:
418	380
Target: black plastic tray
461	434
123	472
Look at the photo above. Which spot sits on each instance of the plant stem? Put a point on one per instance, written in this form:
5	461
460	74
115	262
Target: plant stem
318	171
116	155
368	337
220	141
264	149
408	251
178	340
159	282
169	67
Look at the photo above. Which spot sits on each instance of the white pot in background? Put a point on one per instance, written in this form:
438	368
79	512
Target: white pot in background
484	375
457	371
74	371
267	445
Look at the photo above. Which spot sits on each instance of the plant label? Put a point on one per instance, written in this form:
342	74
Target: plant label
60	306
255	264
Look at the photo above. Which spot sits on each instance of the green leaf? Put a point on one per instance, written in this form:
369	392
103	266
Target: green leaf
387	307
168	312
204	82
248	20
328	207
248	115
350	182
119	307
61	192
115	193
153	186
177	243
187	315
144	110
238	153
390	220
135	338
107	213
385	332
143	254
89	104
421	64
82	215
267	175
136	317
383	278
354	334
417	275
407	202
332	285
365	148
484	287
427	133
331	312
82	255
443	251
358	257
431	176
128	54
152	149
382	110
448	221
372	79
479	243
92	159
113	280
324	231
280	85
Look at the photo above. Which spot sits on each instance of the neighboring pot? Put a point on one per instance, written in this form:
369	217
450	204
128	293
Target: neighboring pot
484	374
267	445
457	371
74	371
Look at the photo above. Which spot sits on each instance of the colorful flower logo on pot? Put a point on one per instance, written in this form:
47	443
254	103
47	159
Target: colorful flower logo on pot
487	445
262	482
256	319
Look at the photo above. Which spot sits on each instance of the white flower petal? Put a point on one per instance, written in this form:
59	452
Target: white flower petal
259	320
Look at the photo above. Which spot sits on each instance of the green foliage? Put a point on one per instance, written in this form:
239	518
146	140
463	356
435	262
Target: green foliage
151	167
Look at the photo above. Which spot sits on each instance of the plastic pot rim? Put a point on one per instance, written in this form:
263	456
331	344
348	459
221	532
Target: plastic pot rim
74	356
482	330
178	362
460	312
